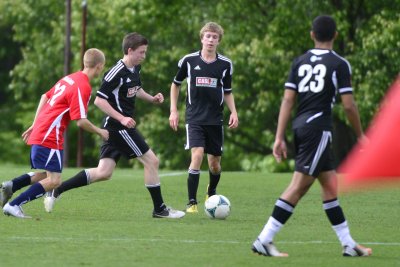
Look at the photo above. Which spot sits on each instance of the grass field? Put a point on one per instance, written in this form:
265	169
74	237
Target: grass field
110	224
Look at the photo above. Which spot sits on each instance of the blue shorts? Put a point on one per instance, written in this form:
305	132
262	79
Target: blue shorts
46	158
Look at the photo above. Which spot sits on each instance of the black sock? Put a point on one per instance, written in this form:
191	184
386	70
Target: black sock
214	180
155	192
334	211
282	210
22	181
80	179
193	184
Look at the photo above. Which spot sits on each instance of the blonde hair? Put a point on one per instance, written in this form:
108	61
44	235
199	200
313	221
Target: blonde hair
93	57
212	27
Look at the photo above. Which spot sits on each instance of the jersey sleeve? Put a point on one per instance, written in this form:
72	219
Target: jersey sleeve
343	75
182	72
108	84
227	79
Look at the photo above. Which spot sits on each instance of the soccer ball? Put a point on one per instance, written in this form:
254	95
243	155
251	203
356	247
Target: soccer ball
217	207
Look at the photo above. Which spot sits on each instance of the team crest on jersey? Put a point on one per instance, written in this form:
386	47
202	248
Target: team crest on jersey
206	82
132	91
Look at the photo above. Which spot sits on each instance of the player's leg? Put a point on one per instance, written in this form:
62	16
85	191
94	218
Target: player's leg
195	141
109	157
152	182
33	192
333	210
281	213
214	148
8	188
214	164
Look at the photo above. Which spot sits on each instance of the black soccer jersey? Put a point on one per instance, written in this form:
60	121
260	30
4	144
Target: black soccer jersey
317	76
119	87
207	84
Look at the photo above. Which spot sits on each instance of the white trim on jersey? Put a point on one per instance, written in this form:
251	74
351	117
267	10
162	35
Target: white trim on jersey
102	94
188	79
291	85
345	90
345	60
114	70
320	51
224	58
115	92
81	106
56	123
188	55
326	136
130	142
319	114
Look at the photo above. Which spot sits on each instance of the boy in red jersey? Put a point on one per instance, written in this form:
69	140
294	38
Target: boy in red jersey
67	100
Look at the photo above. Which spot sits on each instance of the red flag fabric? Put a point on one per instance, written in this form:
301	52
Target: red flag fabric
377	161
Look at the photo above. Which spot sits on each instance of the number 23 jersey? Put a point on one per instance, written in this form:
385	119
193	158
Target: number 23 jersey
317	76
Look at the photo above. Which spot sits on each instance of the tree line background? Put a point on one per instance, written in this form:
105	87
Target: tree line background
261	37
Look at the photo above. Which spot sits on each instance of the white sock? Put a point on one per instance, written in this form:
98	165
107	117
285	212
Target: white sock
343	233
269	231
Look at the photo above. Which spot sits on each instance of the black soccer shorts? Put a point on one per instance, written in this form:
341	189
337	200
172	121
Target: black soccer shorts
211	137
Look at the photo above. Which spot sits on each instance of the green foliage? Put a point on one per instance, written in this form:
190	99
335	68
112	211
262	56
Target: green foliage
261	37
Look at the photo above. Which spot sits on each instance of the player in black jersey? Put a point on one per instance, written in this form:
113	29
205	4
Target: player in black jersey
209	77
314	80
120	87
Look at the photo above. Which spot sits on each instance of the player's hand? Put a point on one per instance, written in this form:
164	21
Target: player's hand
25	135
158	98
104	134
128	122
233	121
174	120
279	150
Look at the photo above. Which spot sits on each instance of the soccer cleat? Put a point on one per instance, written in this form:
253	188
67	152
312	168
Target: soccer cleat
50	200
5	192
169	213
267	250
357	251
15	211
191	207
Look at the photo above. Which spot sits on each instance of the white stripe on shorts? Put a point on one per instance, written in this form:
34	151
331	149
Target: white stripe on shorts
130	142
326	136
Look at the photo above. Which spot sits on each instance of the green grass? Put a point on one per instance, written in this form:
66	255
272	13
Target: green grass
110	224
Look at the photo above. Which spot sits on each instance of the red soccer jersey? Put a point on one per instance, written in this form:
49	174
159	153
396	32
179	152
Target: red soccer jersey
68	100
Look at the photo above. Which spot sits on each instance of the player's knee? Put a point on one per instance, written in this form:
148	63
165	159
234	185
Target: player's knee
55	183
215	168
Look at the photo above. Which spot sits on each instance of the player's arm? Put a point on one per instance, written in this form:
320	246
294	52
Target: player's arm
104	106
88	126
230	103
288	101
43	100
156	99
351	110
174	113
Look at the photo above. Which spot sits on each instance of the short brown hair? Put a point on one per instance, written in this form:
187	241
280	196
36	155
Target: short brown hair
133	41
212	27
93	57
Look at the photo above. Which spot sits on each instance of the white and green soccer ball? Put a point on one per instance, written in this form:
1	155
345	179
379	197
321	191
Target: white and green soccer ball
217	207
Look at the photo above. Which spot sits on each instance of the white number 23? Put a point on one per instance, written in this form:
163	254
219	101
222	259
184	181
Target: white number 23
313	78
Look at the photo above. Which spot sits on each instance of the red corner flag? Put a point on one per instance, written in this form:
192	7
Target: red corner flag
378	161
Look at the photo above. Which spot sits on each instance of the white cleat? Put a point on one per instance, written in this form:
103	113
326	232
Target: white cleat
49	201
15	211
357	251
267	250
5	192
169	213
